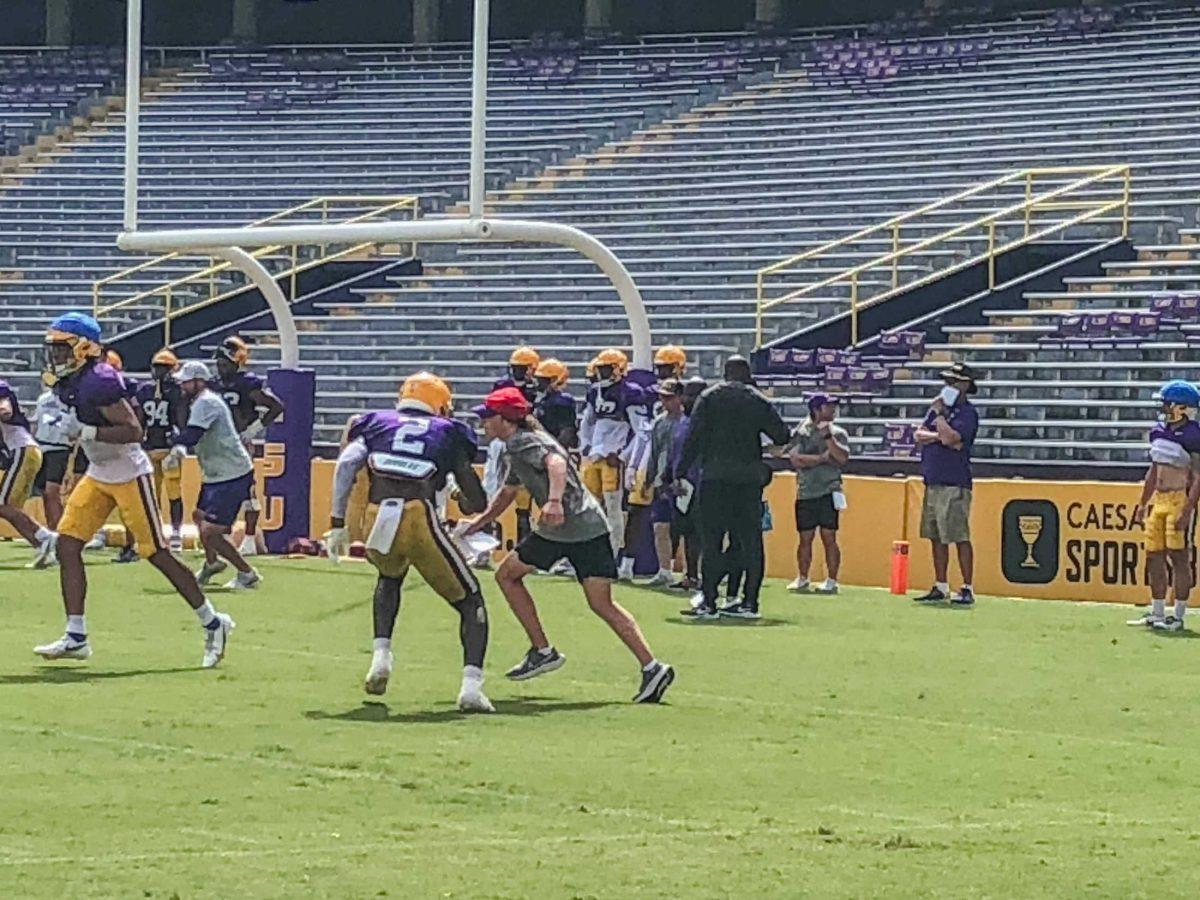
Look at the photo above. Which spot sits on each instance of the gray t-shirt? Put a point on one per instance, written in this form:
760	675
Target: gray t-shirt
220	452
825	479
524	463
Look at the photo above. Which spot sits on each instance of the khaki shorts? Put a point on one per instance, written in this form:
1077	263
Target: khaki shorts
946	514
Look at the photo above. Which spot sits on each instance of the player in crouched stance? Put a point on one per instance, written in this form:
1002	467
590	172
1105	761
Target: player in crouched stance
408	453
1168	504
226	470
119	476
572	526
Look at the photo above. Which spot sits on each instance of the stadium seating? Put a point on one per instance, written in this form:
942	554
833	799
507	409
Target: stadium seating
696	176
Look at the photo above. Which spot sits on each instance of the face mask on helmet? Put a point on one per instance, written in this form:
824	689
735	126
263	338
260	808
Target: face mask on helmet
161	372
544	385
663	371
1174	412
519	373
226	369
606	376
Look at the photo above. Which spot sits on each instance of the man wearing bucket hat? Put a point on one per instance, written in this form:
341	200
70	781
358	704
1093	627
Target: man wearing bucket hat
946	437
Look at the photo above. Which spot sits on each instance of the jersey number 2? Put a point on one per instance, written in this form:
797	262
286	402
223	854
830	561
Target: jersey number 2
410	428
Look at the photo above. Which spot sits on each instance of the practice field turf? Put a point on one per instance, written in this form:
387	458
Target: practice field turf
851	746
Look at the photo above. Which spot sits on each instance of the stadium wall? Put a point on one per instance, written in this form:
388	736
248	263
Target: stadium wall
1054	540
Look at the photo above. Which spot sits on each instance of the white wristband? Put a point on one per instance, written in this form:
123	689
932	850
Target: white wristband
253	430
88	432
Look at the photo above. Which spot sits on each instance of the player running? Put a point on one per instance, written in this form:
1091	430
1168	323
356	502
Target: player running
246	394
20	462
571	526
408	453
226	475
118	476
1168	504
163	413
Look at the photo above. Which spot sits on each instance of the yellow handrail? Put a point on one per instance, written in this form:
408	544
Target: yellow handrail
1033	203
168	291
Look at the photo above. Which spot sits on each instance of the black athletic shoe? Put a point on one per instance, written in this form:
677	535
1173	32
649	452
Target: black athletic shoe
127	555
534	664
934	596
705	612
654	684
739	610
964	599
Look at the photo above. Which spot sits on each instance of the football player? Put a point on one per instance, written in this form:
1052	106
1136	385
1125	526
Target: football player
522	367
226	474
52	426
128	554
163	413
554	407
670	361
571	526
408	453
1168	504
246	394
611	409
120	476
20	461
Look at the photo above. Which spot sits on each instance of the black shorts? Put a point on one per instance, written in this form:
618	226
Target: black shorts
54	468
817	512
590	559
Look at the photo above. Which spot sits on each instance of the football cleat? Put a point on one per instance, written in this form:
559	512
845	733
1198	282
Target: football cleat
654	683
1149	620
701	612
127	555
963	599
244	581
216	639
1170	623
176	544
828	587
209	571
661	580
800	586
66	647
472	699
534	664
98	542
376	681
45	555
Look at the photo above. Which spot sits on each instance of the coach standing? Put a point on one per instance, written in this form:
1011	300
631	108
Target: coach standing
725	441
946	437
819	451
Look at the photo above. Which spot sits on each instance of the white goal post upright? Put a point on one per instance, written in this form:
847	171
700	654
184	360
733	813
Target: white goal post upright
230	243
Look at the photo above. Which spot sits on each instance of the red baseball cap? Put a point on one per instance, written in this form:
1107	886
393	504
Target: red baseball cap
507	402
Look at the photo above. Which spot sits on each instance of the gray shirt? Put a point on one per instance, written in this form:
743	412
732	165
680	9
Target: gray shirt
825	479
660	447
524	463
220	452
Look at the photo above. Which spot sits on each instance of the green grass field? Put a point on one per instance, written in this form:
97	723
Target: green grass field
851	746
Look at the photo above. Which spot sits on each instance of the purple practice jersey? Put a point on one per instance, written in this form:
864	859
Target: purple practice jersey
528	388
18	419
1174	446
556	411
88	391
239	394
411	443
615	401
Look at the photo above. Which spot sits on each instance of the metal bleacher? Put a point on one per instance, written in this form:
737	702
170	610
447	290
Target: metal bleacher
695	184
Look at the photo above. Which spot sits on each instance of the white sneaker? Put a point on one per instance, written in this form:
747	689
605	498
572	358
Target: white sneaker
376	681
828	586
98	542
564	568
176	544
662	579
800	586
244	581
249	546
1148	620
45	555
65	647
216	639
209	571
472	699
697	599
1170	623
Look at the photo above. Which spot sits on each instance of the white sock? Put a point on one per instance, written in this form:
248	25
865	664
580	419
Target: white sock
943	586
77	625
472	675
1180	609
1158	608
205	613
42	533
384	644
650	665
967	587
664	573
545	651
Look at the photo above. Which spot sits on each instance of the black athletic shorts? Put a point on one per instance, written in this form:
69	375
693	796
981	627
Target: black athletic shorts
590	559
54	468
817	512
